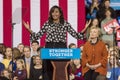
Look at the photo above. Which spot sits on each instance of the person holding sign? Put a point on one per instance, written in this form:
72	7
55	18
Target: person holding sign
94	56
55	29
107	33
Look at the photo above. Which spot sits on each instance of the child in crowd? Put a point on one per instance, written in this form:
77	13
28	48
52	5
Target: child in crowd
114	69
20	73
72	45
21	47
16	55
75	70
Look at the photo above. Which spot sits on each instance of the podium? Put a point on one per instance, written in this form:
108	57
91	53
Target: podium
60	69
60	59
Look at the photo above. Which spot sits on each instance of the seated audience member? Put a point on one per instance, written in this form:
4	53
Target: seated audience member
75	70
94	57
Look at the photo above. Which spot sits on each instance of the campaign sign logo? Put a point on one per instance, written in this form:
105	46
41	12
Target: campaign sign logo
61	53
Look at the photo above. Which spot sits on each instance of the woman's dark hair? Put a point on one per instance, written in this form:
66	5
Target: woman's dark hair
50	19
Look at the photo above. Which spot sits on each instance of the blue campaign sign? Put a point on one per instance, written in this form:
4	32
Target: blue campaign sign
61	53
115	4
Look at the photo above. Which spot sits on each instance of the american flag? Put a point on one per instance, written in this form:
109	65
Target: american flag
36	12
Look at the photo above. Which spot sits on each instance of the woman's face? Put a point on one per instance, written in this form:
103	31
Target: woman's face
95	22
112	60
76	62
8	52
108	13
38	60
20	47
107	4
93	33
56	14
19	64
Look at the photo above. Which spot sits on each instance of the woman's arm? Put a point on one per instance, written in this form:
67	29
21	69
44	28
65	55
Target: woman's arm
35	36
86	26
74	33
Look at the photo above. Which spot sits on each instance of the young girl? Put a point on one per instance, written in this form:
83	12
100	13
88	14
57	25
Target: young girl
114	70
76	69
20	73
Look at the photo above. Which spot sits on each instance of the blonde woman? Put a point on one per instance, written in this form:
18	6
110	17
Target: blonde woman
94	56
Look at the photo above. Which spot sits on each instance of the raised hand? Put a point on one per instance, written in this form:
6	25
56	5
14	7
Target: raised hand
27	26
87	23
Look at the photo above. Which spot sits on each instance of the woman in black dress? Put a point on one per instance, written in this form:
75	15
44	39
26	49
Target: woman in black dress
37	71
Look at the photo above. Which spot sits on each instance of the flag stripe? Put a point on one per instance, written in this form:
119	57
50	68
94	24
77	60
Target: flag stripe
7	15
25	33
16	18
72	19
44	9
53	3
64	5
81	18
1	21
35	15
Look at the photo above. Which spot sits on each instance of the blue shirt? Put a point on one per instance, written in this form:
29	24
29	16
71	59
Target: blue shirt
2	67
115	72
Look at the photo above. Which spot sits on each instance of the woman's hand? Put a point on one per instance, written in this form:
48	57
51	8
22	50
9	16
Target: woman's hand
27	26
86	26
93	67
72	76
87	23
